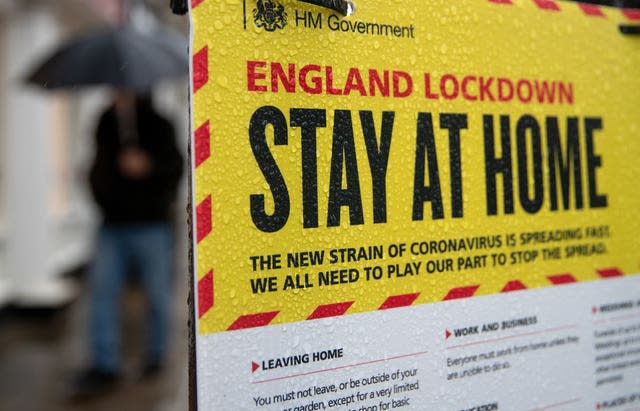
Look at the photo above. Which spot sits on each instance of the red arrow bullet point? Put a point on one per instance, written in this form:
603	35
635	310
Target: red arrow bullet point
254	366
447	334
594	310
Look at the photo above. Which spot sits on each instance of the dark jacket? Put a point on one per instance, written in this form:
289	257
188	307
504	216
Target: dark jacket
126	200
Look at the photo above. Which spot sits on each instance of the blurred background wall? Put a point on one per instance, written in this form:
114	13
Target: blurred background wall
47	217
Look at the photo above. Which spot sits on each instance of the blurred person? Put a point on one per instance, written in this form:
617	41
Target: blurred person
134	179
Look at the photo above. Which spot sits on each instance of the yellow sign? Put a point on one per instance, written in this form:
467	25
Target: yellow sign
410	153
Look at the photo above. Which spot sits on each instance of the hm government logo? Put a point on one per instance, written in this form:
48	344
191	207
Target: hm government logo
270	15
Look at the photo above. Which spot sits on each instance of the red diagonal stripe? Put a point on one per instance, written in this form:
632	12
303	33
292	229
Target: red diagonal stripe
203	216
610	272
514	285
205	294
200	68
631	14
559	279
461	292
195	3
330	310
501	1
396	301
202	143
547	5
591	10
253	320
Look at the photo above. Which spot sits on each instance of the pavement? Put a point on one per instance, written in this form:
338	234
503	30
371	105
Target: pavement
42	350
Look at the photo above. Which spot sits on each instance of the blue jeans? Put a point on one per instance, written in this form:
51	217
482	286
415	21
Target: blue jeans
149	247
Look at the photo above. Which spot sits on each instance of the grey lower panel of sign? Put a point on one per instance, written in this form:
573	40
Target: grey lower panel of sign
571	347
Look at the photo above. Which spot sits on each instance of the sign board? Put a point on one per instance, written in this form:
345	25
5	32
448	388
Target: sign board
424	205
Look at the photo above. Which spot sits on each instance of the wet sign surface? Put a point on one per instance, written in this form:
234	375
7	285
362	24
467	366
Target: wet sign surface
358	179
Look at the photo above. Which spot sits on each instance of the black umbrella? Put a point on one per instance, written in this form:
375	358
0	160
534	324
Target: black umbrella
119	56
